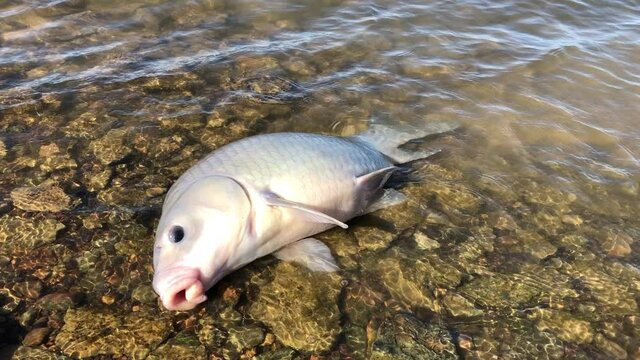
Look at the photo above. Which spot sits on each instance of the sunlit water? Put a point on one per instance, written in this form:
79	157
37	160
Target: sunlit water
522	242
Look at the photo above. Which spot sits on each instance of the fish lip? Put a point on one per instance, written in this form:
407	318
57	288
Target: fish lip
184	289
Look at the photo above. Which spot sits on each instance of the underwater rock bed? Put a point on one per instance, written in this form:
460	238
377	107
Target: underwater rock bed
520	240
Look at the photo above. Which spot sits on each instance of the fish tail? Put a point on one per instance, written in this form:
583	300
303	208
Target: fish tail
387	140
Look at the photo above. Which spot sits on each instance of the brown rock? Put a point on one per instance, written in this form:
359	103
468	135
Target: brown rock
49	198
36	337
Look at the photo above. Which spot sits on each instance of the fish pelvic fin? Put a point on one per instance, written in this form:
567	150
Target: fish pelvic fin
309	252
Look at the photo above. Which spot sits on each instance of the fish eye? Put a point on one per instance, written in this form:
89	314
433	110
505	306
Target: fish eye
176	234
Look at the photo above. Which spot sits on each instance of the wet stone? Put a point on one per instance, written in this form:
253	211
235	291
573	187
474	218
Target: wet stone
361	302
185	345
298	67
96	178
514	339
42	198
246	337
458	306
36	336
548	196
424	242
127	196
144	294
405	337
614	289
84	126
91	333
565	326
372	238
455	196
615	242
111	147
609	348
51	159
28	289
3	149
280	354
411	278
211	335
56	302
29	353
300	307
22	233
574	220
500	292
534	244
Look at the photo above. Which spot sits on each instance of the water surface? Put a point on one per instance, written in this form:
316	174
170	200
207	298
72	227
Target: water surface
522	242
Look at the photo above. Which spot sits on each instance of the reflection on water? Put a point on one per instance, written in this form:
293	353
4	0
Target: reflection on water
523	241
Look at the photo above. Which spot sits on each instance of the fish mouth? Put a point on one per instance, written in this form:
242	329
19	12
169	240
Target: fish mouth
181	288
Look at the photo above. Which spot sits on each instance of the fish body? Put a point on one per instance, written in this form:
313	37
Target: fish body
267	194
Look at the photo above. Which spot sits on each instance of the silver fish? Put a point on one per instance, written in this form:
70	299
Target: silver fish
268	194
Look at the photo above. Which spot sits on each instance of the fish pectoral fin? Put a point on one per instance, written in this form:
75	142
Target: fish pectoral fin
305	211
374	181
390	197
311	253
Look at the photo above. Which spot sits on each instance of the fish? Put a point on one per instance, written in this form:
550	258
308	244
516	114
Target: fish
269	194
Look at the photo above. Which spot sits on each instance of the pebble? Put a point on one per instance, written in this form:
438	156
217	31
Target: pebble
36	337
108	299
3	149
424	242
572	220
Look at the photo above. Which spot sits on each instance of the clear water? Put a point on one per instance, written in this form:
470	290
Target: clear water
523	241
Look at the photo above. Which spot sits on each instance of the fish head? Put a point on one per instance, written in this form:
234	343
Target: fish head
199	229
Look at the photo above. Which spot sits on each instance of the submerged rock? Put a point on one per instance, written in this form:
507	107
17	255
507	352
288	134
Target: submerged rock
16	232
300	307
246	337
372	238
3	149
424	242
30	353
361	302
566	326
41	198
36	336
609	348
413	277
405	337
510	338
92	332
111	147
185	345
501	292
458	306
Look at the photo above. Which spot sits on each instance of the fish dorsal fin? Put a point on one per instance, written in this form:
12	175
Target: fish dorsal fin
310	252
305	211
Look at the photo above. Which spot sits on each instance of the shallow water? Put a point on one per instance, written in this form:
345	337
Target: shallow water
523	241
